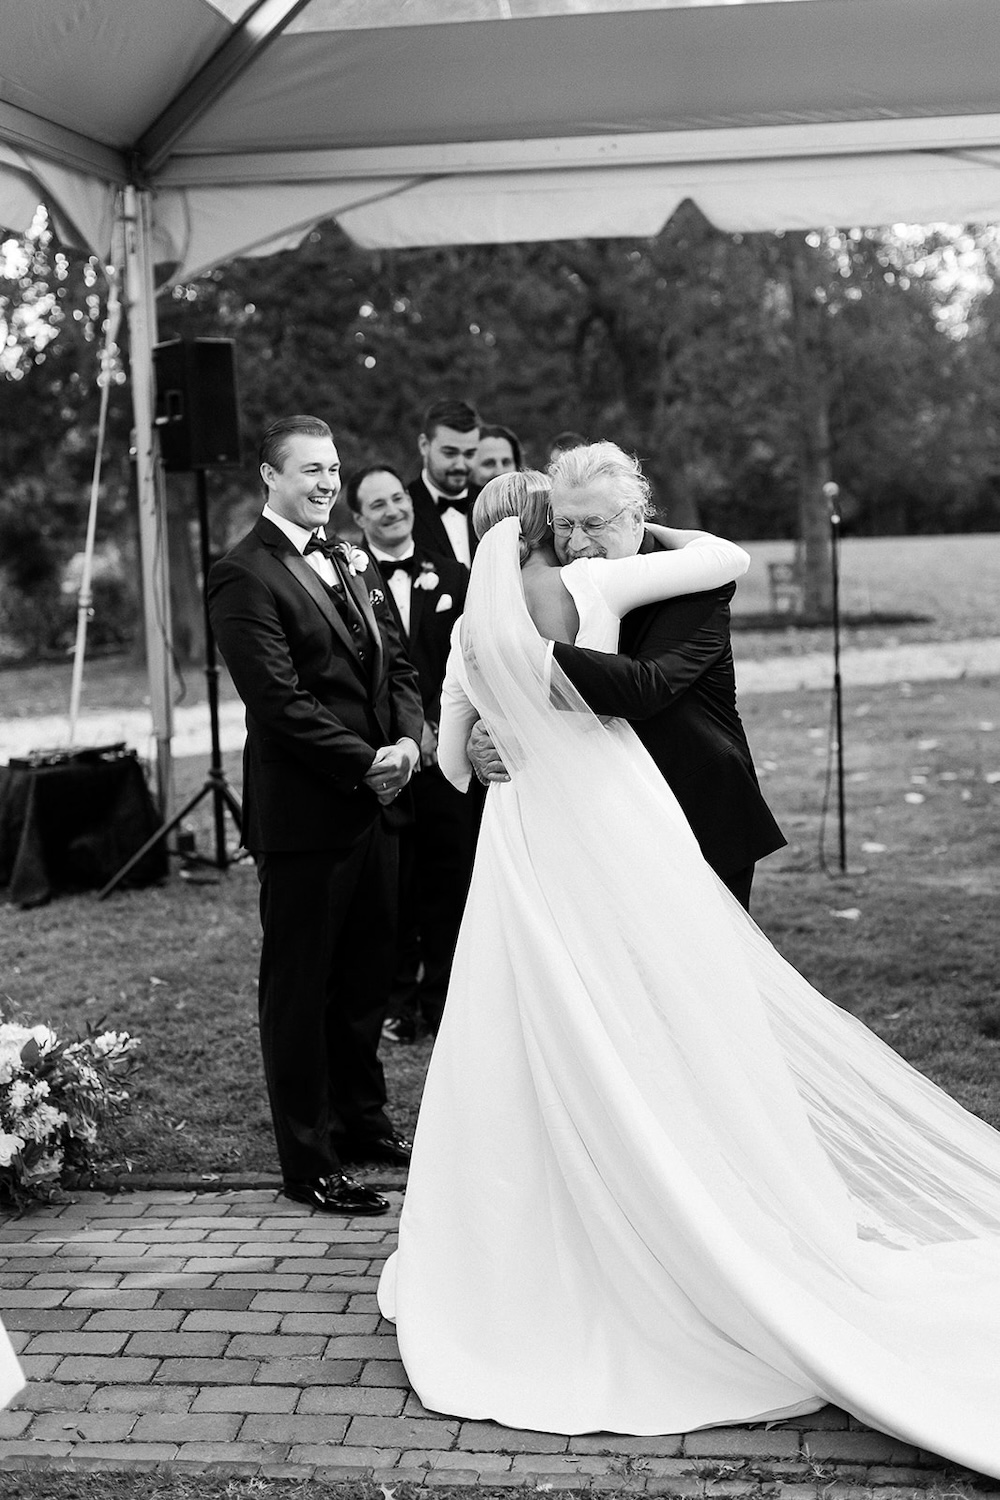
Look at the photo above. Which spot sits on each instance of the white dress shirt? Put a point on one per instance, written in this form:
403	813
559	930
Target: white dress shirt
454	523
299	538
400	583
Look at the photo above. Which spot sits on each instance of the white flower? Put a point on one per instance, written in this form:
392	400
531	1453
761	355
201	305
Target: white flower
10	1062
10	1145
13	1036
356	560
45	1037
114	1042
42	1122
20	1095
83	1129
427	578
375	598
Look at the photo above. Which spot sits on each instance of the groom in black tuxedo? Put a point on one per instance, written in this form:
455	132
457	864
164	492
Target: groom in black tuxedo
672	678
334	724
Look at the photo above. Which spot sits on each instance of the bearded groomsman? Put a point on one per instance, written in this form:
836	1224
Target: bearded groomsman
442	503
334	726
427	593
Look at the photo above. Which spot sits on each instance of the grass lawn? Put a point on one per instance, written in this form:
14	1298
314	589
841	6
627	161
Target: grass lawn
952	581
109	1485
177	964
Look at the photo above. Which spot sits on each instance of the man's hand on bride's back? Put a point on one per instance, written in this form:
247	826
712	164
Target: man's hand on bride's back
484	755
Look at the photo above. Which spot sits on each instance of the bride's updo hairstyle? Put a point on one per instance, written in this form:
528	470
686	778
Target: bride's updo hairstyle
523	493
578	467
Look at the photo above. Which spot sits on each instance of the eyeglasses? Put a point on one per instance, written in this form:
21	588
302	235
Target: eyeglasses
590	525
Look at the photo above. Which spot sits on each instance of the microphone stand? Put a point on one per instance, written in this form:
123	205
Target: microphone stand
832	491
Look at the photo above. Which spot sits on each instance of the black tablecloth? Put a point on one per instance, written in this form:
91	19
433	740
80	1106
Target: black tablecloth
73	824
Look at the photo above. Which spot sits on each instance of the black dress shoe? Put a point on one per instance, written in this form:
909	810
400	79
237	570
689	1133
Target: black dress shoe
391	1150
336	1194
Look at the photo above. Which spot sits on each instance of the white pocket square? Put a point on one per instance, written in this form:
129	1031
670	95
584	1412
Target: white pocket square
445	602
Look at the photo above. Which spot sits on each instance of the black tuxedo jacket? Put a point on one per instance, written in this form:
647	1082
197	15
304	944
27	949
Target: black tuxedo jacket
316	713
428	528
673	679
428	639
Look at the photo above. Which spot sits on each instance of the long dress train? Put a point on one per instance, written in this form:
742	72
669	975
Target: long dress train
11	1377
658	1181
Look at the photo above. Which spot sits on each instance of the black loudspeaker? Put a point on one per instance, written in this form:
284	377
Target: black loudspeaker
197	412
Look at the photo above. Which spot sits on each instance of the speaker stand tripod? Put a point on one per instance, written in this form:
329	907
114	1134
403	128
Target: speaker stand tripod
215	784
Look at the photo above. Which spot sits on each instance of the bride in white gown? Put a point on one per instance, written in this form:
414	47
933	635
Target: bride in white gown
658	1181
11	1378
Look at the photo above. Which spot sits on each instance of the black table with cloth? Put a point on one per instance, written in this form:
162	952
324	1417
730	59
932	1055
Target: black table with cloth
70	820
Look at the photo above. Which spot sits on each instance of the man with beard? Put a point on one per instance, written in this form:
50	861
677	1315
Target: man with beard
441	500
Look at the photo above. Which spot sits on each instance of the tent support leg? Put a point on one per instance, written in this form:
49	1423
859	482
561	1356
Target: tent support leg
149	481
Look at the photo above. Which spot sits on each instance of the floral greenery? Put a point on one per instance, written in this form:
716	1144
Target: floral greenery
54	1096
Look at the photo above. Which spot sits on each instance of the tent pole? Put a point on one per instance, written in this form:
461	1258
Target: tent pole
86	597
149	480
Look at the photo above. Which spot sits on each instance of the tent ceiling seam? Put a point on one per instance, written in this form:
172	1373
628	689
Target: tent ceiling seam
256	30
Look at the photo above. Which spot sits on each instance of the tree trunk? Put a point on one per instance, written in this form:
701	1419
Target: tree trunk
813	550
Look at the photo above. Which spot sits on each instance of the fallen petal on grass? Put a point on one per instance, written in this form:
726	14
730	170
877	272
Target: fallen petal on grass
849	913
872	848
915	797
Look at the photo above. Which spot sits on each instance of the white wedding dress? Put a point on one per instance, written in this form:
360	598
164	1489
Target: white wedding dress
658	1181
11	1378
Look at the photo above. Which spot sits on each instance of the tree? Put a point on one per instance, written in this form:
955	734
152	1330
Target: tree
746	371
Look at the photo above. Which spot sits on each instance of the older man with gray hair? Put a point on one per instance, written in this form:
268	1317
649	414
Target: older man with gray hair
672	678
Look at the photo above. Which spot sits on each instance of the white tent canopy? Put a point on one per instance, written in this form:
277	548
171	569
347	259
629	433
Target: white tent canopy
418	122
209	130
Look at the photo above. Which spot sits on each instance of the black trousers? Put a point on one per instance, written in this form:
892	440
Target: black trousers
328	919
437	851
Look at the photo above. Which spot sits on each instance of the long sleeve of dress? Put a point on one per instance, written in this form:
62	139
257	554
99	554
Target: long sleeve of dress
625	583
458	714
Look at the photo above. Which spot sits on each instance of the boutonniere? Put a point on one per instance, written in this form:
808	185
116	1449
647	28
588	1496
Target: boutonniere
356	560
427	577
375	598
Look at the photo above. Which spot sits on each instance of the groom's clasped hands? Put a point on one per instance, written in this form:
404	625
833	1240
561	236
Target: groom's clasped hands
391	769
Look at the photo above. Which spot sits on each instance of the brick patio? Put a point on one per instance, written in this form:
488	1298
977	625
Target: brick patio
235	1329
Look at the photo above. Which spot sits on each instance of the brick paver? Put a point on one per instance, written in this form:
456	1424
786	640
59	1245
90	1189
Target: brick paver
233	1328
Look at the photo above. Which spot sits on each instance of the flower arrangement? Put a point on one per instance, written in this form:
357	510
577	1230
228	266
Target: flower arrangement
427	577
54	1096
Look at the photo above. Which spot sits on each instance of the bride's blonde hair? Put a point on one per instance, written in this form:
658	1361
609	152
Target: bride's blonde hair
523	493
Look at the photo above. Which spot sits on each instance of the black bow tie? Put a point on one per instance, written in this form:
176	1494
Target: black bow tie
392	565
319	544
457	502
